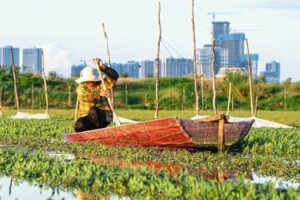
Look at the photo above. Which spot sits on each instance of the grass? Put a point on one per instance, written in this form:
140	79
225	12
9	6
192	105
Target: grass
291	118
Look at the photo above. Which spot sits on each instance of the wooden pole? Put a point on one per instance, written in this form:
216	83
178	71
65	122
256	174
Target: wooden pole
32	97
157	63
221	134
194	61
126	95
108	63
250	78
45	82
15	79
213	76
116	119
229	96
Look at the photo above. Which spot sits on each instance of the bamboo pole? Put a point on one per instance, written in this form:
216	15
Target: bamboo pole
213	76
108	62
157	65
116	119
45	82
194	61
15	79
32	97
250	78
229	96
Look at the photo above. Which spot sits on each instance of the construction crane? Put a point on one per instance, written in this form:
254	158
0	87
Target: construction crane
213	14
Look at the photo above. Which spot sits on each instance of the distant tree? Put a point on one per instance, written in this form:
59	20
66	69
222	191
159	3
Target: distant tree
52	75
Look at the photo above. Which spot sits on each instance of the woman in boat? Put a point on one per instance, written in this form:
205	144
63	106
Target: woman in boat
94	109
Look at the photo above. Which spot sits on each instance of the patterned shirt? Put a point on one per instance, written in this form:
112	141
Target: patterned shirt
90	96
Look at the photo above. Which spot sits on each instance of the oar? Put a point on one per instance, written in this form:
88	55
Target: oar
116	119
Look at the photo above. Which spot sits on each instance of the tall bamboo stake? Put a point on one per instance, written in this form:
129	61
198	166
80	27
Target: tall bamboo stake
229	96
45	82
157	63
32	97
15	79
213	76
250	78
194	60
109	63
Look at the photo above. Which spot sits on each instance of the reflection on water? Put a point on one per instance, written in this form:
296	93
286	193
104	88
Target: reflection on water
11	190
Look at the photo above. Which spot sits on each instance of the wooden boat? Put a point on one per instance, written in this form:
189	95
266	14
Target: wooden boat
169	132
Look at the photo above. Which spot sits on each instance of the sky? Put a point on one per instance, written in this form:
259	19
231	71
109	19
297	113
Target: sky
70	30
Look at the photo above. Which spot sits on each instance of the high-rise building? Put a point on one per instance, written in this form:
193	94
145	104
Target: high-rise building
272	73
254	63
32	61
220	28
234	43
204	60
146	69
6	57
76	69
131	68
176	67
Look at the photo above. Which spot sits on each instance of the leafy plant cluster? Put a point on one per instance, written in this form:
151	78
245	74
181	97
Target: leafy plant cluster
98	179
25	145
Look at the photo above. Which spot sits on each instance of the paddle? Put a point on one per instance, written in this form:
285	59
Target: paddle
99	63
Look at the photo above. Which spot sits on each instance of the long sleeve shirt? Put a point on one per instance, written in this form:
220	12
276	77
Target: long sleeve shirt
90	96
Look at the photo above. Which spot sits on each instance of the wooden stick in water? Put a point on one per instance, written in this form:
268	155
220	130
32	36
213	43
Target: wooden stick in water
213	77
229	96
15	79
194	62
157	63
45	82
250	78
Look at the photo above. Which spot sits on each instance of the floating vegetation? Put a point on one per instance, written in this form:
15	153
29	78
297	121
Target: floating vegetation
33	150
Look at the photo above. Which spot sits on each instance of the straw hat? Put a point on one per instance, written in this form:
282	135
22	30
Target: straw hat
87	74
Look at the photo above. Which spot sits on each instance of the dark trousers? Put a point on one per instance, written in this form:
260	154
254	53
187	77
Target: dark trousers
95	119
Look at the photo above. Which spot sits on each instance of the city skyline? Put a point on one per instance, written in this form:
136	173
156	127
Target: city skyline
75	33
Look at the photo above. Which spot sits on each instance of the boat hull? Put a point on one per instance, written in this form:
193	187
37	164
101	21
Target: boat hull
167	132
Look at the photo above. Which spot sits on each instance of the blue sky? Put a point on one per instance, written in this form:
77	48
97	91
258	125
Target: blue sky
70	30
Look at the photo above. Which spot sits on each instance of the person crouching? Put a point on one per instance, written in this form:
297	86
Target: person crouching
94	109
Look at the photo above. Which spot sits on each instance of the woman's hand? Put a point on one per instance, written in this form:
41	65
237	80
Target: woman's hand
105	93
